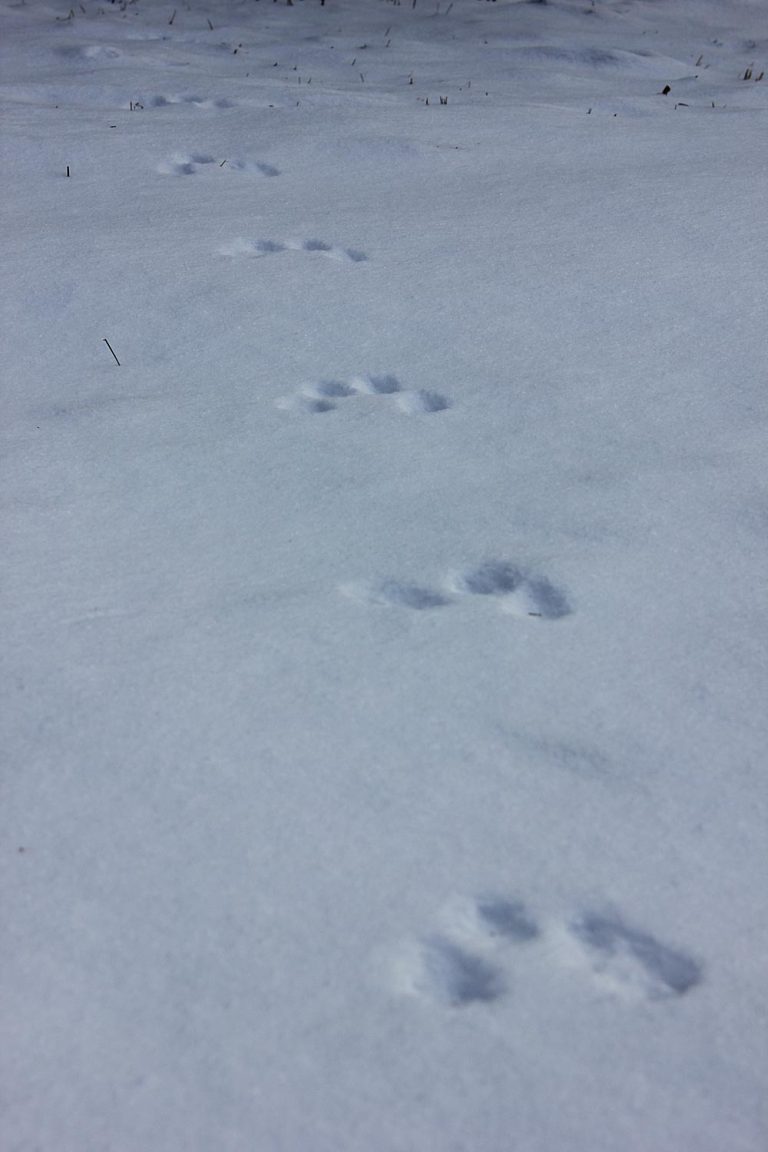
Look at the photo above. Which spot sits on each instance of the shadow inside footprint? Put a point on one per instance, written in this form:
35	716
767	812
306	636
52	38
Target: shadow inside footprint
537	597
236	165
311	404
187	165
386	385
631	956
409	595
336	388
493	578
507	919
265	247
395	593
450	976
422	401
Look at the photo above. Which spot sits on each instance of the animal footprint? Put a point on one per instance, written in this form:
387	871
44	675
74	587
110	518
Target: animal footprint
421	401
630	962
163	101
181	165
188	165
270	247
256	167
90	51
453	968
336	389
490	920
441	971
517	592
319	397
395	592
376	385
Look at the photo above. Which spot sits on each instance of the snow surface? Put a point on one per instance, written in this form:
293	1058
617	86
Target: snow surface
385	639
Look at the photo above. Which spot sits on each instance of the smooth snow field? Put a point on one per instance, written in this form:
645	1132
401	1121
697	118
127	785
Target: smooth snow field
385	638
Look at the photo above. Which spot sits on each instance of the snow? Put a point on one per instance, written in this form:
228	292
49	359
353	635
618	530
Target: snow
385	637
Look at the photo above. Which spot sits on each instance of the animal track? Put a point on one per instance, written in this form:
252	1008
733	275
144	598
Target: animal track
518	593
453	969
492	578
631	962
395	592
163	101
320	397
441	971
491	919
180	165
468	961
254	166
90	51
271	247
376	385
189	165
421	401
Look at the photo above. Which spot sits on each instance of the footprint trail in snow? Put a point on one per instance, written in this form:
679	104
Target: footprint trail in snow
324	396
516	591
268	247
471	959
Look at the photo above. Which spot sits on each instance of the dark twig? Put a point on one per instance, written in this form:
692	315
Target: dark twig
111	350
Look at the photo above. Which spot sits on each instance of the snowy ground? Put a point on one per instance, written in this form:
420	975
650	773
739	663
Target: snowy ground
385	639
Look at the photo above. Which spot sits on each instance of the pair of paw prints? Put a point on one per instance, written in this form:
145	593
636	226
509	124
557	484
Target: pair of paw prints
458	965
471	960
517	591
189	164
242	247
322	397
